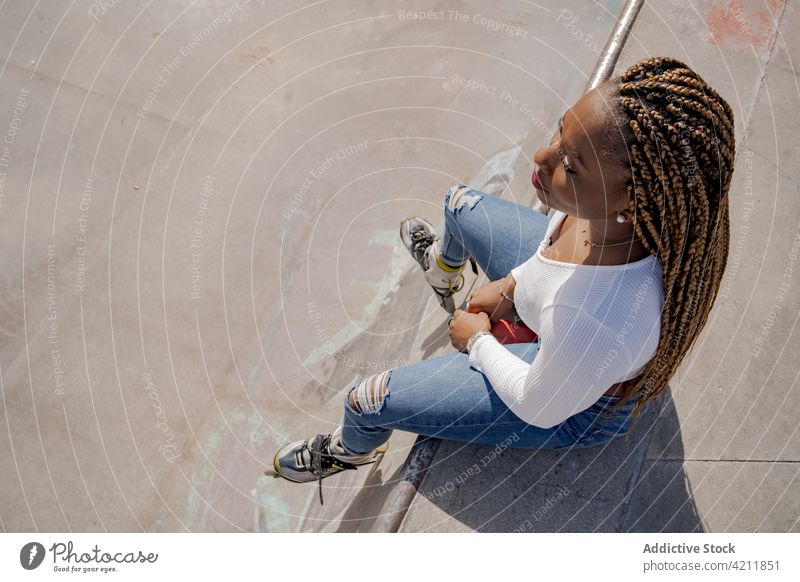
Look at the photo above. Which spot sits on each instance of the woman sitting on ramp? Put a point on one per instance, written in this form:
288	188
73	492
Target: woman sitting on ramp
617	283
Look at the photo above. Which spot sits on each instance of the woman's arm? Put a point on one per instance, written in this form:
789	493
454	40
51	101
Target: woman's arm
569	373
495	298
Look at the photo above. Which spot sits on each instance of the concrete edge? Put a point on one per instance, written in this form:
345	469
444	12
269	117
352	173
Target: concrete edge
400	498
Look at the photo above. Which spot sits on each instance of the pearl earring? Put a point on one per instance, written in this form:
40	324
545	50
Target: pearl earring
620	218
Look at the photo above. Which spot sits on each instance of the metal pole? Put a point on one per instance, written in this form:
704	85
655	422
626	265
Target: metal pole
605	68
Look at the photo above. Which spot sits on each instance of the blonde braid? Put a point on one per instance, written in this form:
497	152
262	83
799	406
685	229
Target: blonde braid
681	147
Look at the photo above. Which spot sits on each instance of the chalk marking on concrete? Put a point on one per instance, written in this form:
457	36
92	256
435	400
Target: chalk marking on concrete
401	264
497	174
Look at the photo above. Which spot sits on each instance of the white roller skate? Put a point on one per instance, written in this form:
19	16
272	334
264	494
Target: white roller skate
318	457
419	236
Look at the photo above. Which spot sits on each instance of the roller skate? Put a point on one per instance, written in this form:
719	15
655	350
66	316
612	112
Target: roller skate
319	457
420	237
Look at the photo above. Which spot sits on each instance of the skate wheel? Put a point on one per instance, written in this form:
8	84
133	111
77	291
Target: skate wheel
273	470
449	304
271	473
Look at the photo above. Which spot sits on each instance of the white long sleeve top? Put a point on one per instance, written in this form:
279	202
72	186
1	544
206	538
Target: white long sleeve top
597	325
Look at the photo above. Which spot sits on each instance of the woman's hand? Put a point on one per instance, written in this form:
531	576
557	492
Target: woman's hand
489	300
464	325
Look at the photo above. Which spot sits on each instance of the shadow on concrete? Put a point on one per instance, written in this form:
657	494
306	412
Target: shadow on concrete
611	488
365	509
437	341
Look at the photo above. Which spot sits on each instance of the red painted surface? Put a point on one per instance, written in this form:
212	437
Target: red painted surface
735	24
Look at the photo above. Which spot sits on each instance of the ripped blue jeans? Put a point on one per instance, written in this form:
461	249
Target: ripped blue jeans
444	397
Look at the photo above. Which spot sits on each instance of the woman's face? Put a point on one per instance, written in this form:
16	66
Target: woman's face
581	169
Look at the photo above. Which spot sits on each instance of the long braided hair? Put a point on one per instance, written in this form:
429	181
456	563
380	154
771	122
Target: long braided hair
679	137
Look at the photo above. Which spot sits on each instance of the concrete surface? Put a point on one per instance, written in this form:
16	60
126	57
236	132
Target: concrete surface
199	211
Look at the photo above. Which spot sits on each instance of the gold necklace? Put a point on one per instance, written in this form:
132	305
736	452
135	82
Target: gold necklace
594	244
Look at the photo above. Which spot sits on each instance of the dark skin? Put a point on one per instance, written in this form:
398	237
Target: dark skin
587	185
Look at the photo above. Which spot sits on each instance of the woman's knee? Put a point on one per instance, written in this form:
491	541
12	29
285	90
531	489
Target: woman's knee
369	395
459	196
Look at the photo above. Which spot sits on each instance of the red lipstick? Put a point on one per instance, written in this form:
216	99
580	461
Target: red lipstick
537	182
